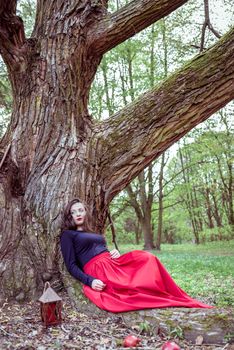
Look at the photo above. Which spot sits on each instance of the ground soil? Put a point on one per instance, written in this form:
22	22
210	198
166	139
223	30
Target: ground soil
21	328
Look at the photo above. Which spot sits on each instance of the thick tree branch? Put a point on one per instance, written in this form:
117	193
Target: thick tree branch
165	114
129	20
12	36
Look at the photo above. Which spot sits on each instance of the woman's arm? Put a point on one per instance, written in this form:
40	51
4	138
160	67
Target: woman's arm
69	257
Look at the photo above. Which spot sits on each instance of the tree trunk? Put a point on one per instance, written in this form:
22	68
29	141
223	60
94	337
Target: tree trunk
229	161
138	232
147	231
188	198
199	214
160	202
217	215
208	206
46	145
143	207
51	139
143	212
161	174
230	197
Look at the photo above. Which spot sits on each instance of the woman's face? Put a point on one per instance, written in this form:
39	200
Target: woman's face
78	213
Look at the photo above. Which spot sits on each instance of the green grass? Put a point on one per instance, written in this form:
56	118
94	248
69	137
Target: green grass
205	271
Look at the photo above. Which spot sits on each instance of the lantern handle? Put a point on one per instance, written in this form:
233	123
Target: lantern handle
47	285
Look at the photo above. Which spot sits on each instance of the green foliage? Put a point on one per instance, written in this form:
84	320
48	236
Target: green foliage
125	235
176	332
205	179
165	35
201	174
146	328
145	54
225	233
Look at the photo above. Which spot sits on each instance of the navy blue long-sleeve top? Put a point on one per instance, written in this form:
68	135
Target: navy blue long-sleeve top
78	247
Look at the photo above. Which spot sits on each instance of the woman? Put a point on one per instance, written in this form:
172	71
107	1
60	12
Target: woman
114	282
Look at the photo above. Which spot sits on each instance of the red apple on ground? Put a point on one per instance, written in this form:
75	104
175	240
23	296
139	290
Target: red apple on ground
170	345
131	341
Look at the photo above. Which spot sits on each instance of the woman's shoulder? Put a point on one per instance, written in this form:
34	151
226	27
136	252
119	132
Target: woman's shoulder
75	232
72	233
68	233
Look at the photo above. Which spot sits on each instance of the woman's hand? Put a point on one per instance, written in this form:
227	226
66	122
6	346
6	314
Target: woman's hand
114	254
98	285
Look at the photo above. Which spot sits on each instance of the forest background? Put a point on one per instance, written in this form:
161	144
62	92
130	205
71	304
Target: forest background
186	195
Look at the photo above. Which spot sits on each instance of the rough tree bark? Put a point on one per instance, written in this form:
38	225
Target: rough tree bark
57	151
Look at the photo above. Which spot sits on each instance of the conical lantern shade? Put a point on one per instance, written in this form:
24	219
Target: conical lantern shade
51	306
49	295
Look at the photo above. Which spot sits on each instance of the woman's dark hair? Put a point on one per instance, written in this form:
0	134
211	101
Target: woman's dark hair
67	220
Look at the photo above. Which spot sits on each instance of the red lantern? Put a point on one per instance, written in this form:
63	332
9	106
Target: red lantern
51	306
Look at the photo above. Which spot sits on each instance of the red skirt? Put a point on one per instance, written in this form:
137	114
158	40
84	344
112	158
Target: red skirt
135	281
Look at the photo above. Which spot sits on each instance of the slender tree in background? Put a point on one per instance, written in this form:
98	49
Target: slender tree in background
142	199
140	195
163	163
218	147
53	150
228	152
191	198
201	179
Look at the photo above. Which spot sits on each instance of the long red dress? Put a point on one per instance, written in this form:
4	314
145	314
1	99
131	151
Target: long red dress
134	281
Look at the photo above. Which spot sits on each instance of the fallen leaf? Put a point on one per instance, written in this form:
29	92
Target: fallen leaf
105	340
199	340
